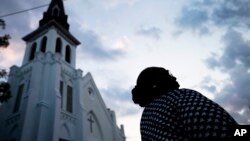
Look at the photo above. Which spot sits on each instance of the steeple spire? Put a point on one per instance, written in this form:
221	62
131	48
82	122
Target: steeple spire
55	12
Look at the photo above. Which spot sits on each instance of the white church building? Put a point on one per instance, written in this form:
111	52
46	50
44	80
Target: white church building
51	99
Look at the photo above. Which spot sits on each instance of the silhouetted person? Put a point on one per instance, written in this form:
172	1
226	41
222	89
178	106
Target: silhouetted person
171	113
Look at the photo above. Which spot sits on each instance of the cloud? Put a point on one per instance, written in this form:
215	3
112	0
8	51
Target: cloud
11	55
113	3
192	18
153	32
237	51
208	84
19	24
235	61
123	43
232	13
199	14
93	48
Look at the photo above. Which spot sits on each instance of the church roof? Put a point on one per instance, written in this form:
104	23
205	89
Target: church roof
55	12
46	26
54	16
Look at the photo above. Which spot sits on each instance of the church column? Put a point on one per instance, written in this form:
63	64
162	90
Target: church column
50	116
56	103
12	80
79	115
30	125
46	100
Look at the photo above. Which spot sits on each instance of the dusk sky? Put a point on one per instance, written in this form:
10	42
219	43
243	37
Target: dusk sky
204	43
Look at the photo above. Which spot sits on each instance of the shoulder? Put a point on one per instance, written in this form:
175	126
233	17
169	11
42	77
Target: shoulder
185	93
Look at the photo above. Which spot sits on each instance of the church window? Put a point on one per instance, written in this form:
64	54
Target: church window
68	54
55	11
43	44
90	91
69	103
18	98
61	92
32	51
58	45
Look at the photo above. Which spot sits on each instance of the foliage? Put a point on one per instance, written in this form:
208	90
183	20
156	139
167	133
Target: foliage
4	40
5	92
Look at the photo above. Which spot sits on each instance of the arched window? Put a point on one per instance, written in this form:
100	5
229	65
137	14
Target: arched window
55	11
43	44
58	45
68	54
32	51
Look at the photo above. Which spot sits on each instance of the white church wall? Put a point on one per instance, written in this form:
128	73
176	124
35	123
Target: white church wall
94	131
51	40
94	104
69	119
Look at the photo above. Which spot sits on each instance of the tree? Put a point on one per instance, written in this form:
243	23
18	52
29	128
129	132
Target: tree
5	92
4	40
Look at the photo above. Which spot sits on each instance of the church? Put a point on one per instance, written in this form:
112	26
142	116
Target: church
51	99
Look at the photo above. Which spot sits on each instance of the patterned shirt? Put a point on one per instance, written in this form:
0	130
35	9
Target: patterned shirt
184	114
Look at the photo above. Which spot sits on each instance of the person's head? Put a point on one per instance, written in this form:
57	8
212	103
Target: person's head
151	83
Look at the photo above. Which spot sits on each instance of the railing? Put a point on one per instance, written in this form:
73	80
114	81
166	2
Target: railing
68	117
14	118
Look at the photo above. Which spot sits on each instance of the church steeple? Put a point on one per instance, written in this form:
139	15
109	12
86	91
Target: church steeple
52	36
55	12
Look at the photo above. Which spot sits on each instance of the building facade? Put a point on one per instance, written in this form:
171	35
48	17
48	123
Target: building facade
51	100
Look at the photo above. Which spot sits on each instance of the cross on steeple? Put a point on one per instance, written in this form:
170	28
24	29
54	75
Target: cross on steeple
91	121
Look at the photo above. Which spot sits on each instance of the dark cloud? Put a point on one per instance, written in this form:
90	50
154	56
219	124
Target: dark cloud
153	32
199	15
120	100
234	61
207	84
212	62
237	51
235	95
192	18
93	48
232	13
18	25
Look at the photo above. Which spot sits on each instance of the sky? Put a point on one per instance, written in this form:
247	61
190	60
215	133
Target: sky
204	43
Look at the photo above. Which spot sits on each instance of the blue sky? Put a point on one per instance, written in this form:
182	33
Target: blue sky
204	43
